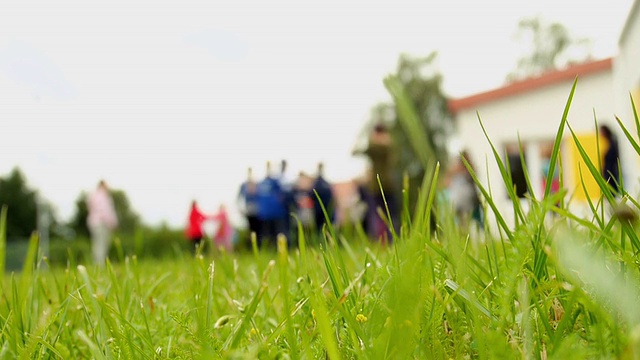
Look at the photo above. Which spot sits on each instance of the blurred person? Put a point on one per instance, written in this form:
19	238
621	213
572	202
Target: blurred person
610	164
380	154
324	197
288	202
462	192
546	154
554	180
248	195
194	230
271	210
286	181
304	200
364	203
101	220
223	238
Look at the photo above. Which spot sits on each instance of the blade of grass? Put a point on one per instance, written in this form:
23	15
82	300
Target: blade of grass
241	328
604	187
3	241
555	152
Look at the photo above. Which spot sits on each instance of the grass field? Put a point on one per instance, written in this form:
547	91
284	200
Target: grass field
548	287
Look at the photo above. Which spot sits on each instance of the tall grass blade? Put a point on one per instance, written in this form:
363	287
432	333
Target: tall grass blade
555	153
30	262
3	241
604	187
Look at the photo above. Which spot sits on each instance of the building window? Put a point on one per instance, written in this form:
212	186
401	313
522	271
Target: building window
512	156
546	152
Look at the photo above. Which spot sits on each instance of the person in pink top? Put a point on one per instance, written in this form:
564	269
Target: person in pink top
102	220
223	237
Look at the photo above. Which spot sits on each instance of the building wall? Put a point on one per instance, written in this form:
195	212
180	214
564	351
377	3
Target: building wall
535	117
626	68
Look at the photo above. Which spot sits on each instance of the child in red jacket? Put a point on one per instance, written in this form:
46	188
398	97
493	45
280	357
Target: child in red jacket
194	227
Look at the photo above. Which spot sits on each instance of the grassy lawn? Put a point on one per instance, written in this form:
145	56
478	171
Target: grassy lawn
552	285
551	291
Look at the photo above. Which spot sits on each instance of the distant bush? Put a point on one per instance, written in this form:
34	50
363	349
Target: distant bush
148	242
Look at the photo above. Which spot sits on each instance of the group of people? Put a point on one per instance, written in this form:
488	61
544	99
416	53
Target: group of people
268	204
223	236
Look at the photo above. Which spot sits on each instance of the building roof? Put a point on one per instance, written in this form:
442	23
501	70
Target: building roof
633	14
522	86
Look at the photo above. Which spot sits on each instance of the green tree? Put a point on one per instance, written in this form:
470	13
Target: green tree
551	46
422	83
21	202
128	219
79	220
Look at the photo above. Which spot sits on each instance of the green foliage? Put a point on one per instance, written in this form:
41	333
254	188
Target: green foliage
128	219
160	242
21	202
551	47
79	219
420	84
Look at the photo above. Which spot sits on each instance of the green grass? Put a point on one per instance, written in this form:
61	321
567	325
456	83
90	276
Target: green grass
549	287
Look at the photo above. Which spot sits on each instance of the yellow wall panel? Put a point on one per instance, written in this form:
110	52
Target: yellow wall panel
578	167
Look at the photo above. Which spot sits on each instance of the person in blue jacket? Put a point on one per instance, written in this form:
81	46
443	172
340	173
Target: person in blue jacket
271	210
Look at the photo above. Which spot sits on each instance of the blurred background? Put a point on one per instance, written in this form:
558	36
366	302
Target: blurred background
171	101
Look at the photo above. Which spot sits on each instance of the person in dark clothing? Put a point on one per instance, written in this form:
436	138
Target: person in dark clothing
610	164
324	197
248	194
287	185
380	153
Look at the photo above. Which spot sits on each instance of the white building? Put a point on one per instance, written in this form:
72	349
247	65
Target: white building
626	76
532	110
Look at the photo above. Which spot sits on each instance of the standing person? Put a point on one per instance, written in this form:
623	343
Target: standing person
286	182
364	202
102	220
463	193
610	164
324	198
303	200
249	208
194	231
271	210
287	185
380	153
223	237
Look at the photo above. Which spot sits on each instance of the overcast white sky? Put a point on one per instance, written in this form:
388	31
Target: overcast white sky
173	100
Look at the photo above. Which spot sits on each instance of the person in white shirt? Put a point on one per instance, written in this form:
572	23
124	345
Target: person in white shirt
102	220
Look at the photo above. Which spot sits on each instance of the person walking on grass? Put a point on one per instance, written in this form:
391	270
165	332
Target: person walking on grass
101	220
